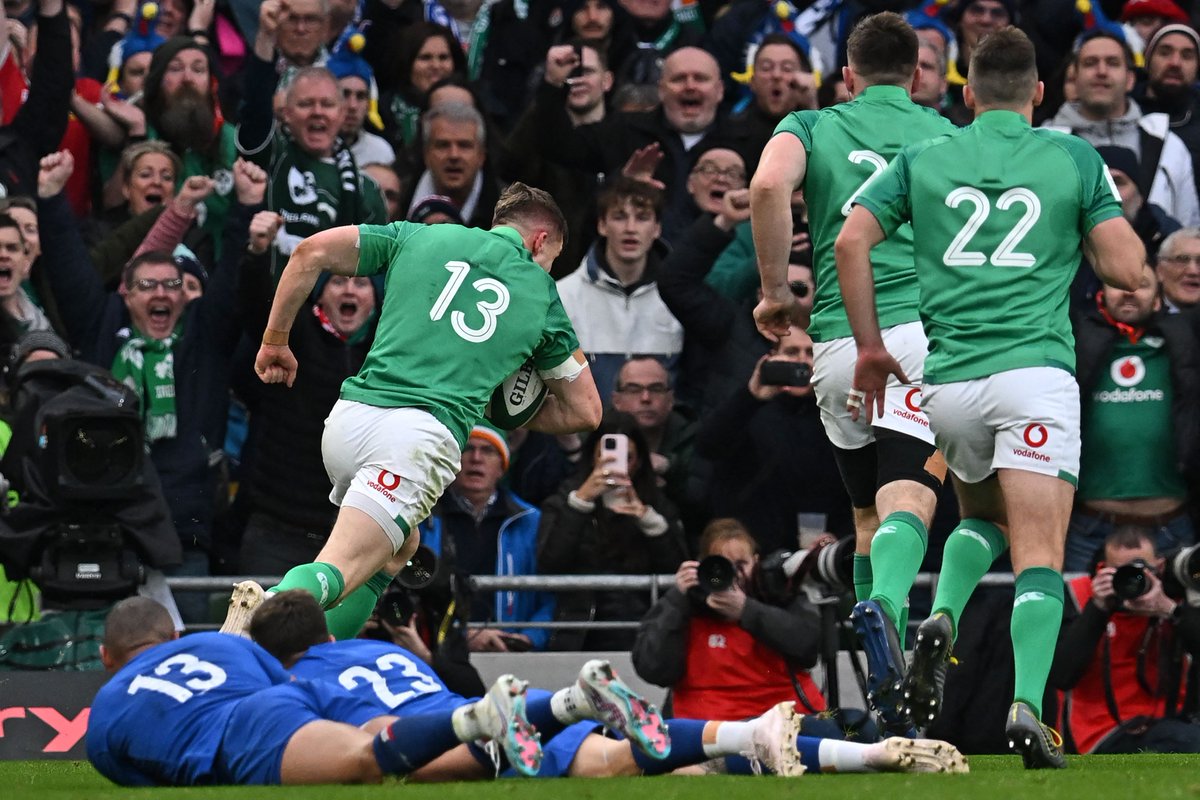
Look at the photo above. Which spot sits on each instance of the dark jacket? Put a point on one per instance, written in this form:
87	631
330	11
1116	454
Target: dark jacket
721	341
286	473
96	321
39	126
605	146
1094	338
771	461
601	542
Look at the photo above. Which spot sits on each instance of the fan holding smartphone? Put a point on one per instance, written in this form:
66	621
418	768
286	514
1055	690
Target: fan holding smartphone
610	517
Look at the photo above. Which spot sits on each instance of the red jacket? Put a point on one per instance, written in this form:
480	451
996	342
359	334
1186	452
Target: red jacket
1129	638
731	675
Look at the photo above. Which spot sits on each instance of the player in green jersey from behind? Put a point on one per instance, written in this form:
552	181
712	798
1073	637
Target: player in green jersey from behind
999	212
463	309
891	469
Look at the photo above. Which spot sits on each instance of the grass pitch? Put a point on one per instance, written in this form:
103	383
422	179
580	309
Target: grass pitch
1143	777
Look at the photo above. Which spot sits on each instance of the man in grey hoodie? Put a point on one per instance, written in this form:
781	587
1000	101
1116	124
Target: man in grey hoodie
1105	114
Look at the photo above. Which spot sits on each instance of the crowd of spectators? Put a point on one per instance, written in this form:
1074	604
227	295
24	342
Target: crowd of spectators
160	161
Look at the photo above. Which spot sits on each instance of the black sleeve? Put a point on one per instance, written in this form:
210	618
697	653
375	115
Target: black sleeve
73	280
1077	643
561	142
794	632
704	313
660	650
219	301
43	118
723	431
258	118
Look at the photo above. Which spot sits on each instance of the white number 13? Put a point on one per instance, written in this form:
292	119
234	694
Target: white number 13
489	309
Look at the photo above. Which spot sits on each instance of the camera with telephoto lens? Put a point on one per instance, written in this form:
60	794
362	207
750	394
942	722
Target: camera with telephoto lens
827	567
1181	573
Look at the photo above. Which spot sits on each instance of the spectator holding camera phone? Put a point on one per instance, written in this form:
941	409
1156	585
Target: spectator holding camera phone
610	517
1125	648
726	651
770	458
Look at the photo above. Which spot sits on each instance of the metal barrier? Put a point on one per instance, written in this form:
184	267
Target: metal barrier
654	584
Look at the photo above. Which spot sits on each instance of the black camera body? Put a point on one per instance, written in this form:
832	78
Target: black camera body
777	372
1181	573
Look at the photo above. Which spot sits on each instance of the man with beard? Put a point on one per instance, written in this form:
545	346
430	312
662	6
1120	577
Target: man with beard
182	109
314	183
1139	377
1171	60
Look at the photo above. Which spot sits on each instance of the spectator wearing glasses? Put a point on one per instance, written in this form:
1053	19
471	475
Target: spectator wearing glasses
644	392
1178	269
174	354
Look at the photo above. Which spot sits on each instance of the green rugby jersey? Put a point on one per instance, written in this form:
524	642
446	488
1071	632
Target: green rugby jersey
463	308
998	211
848	145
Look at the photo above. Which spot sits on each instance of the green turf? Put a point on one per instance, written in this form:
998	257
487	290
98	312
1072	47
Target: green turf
1146	777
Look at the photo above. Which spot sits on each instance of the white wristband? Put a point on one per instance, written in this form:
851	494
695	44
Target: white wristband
579	504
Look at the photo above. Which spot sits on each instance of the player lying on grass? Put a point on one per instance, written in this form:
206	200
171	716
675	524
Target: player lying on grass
292	627
217	709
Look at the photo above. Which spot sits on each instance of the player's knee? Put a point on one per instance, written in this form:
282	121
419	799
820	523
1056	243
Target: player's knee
907	468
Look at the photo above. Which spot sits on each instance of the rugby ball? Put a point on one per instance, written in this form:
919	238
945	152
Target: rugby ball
517	399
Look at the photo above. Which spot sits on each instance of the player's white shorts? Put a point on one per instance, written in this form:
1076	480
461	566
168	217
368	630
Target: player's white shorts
1019	419
390	463
833	377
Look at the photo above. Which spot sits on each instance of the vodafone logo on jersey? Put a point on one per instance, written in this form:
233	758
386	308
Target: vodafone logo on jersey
913	399
1127	371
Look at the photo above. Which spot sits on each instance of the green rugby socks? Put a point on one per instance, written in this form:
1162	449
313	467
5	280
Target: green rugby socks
347	618
897	550
970	550
1036	618
862	577
322	581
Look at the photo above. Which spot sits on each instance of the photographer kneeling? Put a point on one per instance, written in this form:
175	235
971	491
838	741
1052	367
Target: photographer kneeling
729	654
1123	653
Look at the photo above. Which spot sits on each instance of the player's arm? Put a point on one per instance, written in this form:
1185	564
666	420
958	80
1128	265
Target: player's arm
335	250
780	172
1116	252
859	234
573	405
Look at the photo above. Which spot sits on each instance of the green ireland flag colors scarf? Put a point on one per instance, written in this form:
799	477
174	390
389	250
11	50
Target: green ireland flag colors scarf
148	367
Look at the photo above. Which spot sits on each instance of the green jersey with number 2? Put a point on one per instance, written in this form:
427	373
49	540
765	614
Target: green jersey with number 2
998	212
848	145
463	308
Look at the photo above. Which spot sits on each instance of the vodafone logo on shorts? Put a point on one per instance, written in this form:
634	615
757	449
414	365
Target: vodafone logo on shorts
1127	371
1036	434
912	408
385	483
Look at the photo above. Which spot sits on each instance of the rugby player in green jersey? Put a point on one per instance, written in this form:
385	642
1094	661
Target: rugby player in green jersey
1000	213
891	469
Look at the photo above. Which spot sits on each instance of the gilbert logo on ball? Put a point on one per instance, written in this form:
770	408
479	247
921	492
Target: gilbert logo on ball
517	399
